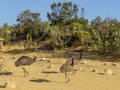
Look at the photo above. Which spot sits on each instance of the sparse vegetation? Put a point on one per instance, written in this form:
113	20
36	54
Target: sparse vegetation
65	29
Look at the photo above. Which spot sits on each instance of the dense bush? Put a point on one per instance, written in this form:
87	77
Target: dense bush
67	36
106	37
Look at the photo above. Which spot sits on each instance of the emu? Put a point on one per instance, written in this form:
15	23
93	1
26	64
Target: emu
67	67
24	61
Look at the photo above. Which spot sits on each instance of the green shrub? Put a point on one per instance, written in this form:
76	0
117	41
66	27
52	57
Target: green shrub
80	37
106	40
28	42
55	38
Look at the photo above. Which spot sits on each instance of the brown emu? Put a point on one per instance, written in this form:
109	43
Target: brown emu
24	61
67	67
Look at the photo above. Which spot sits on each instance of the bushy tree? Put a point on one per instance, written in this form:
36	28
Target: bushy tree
29	23
74	33
106	36
61	12
5	32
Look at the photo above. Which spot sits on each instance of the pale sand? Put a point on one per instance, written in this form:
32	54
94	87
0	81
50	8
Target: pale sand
43	78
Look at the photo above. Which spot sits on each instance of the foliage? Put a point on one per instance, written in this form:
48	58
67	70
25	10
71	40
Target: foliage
106	37
5	33
65	29
55	38
29	22
61	12
68	35
28	42
80	37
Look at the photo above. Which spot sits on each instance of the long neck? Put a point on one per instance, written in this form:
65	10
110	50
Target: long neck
72	64
80	56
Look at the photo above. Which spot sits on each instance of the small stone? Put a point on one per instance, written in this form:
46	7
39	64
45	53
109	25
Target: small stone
105	64
42	59
49	60
115	64
94	70
51	66
9	83
108	71
14	57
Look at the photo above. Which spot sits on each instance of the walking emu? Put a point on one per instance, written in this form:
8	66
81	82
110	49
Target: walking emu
67	67
25	60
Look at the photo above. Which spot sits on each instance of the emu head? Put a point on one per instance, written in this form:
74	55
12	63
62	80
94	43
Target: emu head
17	63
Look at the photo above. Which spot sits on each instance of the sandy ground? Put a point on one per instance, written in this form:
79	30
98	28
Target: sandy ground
41	77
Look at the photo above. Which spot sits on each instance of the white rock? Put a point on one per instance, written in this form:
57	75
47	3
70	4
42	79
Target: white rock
51	66
9	83
108	71
42	59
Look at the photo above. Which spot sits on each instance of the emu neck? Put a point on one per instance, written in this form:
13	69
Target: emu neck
80	56
72	64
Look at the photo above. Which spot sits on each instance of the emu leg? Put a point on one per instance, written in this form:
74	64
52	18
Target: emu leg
73	71
67	77
25	72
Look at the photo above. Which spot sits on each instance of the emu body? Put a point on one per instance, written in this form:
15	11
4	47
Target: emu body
67	67
24	61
